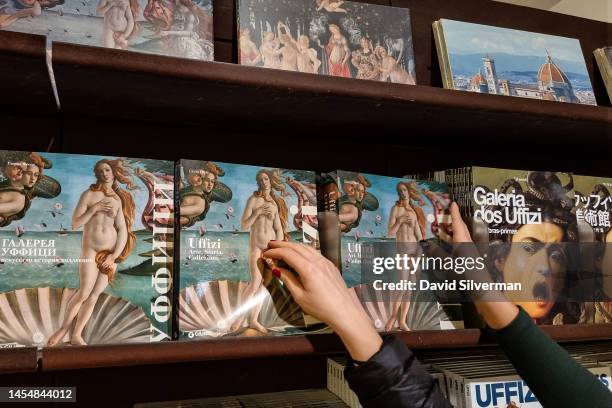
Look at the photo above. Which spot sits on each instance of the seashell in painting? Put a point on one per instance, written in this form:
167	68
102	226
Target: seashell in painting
424	312
213	307
30	316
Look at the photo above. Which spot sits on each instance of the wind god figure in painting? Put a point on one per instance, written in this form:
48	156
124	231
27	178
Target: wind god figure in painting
119	22
404	226
106	213
265	216
23	176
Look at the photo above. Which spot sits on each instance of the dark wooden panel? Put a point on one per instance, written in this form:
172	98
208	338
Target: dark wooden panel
228	97
25	79
123	386
18	360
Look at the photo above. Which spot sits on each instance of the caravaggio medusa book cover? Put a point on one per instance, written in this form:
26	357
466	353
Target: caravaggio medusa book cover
86	249
228	214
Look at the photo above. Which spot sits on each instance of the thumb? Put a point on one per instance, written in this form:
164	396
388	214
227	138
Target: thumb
460	230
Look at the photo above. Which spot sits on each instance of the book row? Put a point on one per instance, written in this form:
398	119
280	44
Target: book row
99	250
483	380
328	37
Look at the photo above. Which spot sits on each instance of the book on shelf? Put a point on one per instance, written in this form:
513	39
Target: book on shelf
87	249
362	215
178	28
502	61
227	214
505	209
338	38
603	56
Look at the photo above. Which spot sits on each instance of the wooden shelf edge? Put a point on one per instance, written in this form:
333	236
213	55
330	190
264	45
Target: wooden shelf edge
18	360
97	58
70	358
30	45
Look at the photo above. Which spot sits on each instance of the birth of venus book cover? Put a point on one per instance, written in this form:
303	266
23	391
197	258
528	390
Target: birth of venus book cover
228	214
86	249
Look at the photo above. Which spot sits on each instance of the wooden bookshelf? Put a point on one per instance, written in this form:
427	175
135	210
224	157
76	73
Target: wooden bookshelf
137	105
104	83
70	358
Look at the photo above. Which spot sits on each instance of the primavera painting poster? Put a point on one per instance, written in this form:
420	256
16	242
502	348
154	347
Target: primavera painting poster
502	61
177	28
86	249
337	38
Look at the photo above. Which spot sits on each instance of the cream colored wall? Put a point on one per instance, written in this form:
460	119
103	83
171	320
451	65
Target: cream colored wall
594	9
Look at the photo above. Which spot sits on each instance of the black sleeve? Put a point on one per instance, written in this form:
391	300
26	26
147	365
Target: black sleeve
393	377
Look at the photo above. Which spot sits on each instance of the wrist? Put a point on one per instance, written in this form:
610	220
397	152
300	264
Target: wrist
359	336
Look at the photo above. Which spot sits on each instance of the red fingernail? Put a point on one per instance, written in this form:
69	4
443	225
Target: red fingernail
276	272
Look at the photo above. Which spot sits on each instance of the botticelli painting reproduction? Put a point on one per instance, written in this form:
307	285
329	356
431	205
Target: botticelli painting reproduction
337	38
85	249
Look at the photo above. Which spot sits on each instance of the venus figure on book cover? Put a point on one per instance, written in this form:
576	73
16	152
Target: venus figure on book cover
502	61
337	38
106	212
390	215
77	252
404	224
225	287
178	28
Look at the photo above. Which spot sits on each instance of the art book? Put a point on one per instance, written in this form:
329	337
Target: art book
176	28
86	249
329	37
603	56
365	212
502	61
228	214
593	207
520	215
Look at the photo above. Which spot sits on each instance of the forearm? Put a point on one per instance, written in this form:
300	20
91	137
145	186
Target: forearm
130	27
121	241
78	222
10	207
554	376
247	222
358	335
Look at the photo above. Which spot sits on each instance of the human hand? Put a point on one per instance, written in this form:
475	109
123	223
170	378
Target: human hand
104	205
264	210
319	289
459	229
109	262
497	311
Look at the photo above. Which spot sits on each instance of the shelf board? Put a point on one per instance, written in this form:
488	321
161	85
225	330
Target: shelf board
18	360
112	83
70	358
